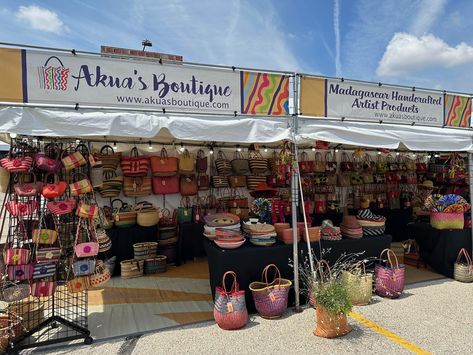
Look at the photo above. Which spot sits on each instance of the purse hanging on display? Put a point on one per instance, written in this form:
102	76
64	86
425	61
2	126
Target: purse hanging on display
16	164
188	185
224	168
46	163
258	164
28	189
163	165
346	165
305	165
80	187
20	272
110	160
58	208
165	185
135	165
111	185
240	165
85	249
186	163
201	162
184	213
22	209
74	160
43	270
330	163
319	163
88	211
43	288
137	186
55	189
203	182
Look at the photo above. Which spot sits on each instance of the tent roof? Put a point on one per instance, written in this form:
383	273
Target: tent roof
150	126
367	134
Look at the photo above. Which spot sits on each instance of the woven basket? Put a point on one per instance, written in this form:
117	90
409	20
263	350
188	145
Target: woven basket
155	265
131	268
443	220
359	285
390	278
170	252
271	297
329	325
145	250
463	272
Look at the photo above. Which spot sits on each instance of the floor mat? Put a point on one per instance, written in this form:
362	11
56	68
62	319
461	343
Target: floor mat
179	296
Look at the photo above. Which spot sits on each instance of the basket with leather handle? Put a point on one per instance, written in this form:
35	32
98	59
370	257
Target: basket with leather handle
257	163
134	164
124	215
146	214
163	165
131	268
240	165
137	186
463	272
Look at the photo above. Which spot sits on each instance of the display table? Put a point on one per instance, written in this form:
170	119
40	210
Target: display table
248	261
396	221
439	248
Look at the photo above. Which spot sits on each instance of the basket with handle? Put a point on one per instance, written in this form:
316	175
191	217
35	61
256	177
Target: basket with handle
445	220
53	77
145	250
390	278
155	265
131	268
359	284
230	311
271	297
463	272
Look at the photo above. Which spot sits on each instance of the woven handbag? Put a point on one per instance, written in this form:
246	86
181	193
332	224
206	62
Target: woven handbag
258	164
389	276
20	272
44	236
188	185
220	181
165	185
59	208
124	215
164	165
43	288
305	165
346	164
21	209
146	214
359	284
253	181
463	272
100	276
230	311
74	160
145	250
78	284
42	270
224	168
13	292
201	162
240	165
111	184
110	160
330	163
16	256
203	182
46	163
271	297
83	267
45	255
80	187
155	265
28	189
17	164
186	163
319	163
84	210
85	249
54	189
237	181
135	165
137	186
131	268
184	212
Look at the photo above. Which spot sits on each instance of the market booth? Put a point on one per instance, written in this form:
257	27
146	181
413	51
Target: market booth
73	110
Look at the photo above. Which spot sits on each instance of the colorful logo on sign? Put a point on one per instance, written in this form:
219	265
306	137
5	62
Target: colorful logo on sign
53	76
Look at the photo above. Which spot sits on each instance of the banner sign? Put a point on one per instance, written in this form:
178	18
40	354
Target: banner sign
457	111
57	78
371	102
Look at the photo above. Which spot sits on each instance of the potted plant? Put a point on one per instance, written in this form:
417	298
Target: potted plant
332	306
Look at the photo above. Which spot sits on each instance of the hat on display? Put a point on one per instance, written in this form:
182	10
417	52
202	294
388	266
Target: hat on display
350	222
221	219
263	189
366	214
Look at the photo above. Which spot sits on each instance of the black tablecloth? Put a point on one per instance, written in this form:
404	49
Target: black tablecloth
190	241
396	222
439	248
123	240
248	261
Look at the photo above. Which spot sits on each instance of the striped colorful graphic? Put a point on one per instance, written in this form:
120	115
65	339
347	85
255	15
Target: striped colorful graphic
264	94
457	111
53	78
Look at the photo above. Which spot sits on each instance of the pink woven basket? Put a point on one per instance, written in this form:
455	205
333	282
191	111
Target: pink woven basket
271	297
389	278
444	220
230	307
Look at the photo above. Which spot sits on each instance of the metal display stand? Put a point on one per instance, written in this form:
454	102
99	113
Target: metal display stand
63	316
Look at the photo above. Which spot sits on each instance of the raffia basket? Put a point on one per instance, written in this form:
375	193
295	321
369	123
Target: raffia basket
131	268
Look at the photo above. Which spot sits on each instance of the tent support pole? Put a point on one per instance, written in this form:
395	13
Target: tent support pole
470	185
295	253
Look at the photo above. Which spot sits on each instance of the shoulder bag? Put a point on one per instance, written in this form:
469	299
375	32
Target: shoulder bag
74	160
201	162
135	165
224	168
163	165
239	164
319	163
188	185
110	160
80	187
137	186
186	163
28	189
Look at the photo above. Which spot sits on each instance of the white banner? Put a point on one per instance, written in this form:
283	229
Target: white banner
100	81
379	103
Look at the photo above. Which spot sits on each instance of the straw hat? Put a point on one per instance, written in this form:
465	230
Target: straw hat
350	222
263	189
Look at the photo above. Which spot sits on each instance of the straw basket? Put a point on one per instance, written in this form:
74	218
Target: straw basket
463	272
230	311
145	250
330	325
389	278
443	220
271	297
131	268
155	265
359	285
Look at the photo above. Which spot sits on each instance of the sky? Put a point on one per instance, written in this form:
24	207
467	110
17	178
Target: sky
422	43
